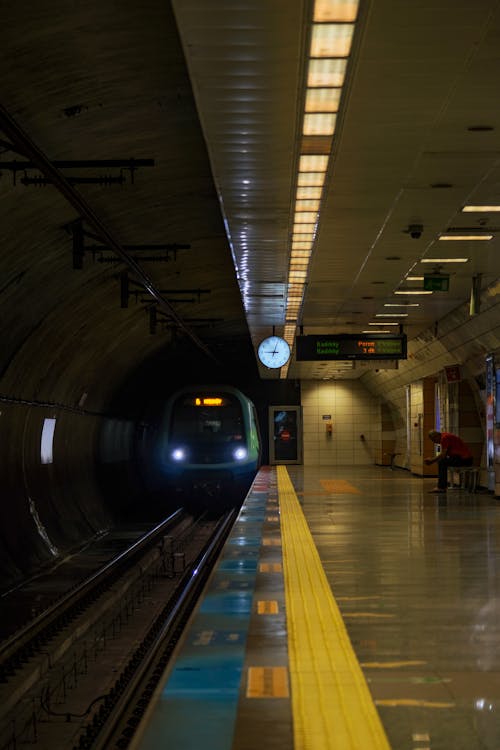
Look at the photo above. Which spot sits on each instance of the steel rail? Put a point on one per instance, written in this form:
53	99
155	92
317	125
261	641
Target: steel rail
193	581
49	617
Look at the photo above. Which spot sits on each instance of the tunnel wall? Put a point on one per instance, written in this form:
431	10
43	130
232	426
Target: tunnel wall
48	507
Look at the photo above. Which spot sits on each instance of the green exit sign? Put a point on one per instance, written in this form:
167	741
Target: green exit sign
436	283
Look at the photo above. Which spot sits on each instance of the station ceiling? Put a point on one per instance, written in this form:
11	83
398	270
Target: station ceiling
149	163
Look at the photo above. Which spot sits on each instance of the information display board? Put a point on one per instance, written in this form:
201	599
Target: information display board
350	346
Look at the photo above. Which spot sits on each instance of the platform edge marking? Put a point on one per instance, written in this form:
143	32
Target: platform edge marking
332	705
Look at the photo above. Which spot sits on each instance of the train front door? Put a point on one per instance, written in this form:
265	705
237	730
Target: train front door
285	435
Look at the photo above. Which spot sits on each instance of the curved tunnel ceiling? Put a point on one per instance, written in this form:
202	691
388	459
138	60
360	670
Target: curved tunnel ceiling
100	84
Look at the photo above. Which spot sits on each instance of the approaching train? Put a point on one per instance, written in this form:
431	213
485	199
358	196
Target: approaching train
210	446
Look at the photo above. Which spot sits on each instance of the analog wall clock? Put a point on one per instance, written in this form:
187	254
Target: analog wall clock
274	352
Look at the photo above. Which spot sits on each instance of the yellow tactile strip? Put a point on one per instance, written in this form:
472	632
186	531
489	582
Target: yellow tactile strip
332	705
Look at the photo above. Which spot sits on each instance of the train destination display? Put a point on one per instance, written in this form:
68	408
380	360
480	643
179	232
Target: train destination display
350	346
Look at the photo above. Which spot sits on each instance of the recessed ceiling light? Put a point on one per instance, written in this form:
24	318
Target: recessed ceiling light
465	237
331	39
313	163
444	260
412	291
481	208
326	72
336	10
319	123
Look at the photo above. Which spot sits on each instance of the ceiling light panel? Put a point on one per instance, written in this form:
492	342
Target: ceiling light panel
319	124
322	100
307	205
481	208
311	179
444	260
327	72
331	39
306	217
313	163
407	292
308	193
335	10
464	237
304	232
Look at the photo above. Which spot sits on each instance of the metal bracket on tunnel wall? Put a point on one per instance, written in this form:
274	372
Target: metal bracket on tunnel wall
103	254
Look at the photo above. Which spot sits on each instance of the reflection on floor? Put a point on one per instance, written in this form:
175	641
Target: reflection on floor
417	580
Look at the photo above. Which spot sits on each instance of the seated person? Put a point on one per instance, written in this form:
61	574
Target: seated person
454	452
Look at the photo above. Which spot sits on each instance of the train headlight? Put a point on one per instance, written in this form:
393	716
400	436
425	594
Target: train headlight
240	453
178	454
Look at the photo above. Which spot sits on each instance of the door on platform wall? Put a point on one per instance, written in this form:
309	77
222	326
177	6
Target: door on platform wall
285	435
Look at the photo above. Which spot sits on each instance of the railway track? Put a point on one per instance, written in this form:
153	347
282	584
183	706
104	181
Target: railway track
80	675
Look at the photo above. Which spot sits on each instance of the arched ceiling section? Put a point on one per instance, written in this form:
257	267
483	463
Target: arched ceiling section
101	82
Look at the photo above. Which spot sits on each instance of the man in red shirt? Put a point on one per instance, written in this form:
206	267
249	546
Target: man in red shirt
453	452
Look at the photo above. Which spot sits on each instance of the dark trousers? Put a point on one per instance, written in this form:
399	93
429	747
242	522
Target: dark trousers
443	464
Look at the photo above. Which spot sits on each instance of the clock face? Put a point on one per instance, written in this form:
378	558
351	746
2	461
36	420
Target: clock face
274	352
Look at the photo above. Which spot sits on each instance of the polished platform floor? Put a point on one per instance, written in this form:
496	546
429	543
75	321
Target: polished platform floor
350	610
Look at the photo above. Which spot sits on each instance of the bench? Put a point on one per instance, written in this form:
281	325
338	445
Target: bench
468	477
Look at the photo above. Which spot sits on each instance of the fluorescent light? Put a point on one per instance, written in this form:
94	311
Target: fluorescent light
331	39
306	217
413	291
309	193
326	72
318	123
480	209
377	331
391	315
336	10
300	233
323	100
387	323
313	163
444	260
300	254
307	205
402	304
311	179
304	231
414	278
465	237
305	247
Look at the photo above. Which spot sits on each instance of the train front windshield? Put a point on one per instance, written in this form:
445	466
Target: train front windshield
210	428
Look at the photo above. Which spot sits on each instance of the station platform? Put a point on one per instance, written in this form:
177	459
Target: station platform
349	610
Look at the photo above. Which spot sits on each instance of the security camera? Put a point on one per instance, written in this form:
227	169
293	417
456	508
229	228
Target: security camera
415	231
